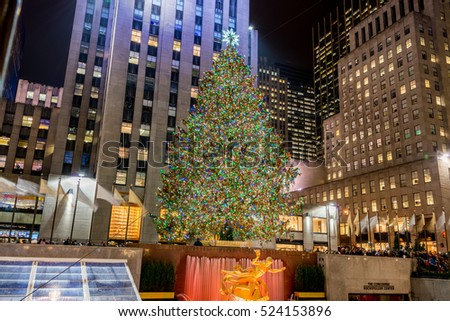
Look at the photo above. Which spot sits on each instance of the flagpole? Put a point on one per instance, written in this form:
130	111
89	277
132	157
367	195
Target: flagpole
398	232
388	230
55	211
328	227
93	212
351	228
12	218
406	231
360	230
445	228
379	229
369	232
417	233
34	219
128	218
435	233
75	210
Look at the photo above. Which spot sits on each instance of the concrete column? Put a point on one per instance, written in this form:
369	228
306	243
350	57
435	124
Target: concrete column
308	242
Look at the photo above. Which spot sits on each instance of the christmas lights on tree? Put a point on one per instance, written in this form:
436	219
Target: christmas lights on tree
227	172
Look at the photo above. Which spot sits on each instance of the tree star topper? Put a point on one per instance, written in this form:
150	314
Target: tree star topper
231	38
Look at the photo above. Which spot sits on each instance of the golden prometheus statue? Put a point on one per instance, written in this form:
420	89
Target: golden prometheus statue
246	284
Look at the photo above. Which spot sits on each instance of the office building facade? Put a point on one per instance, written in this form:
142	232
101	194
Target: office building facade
301	113
132	75
387	161
330	43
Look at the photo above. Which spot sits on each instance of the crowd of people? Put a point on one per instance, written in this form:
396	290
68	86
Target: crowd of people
427	261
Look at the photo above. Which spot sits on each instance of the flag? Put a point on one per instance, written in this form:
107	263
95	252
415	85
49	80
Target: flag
365	223
393	222
431	224
402	230
350	224
133	198
25	187
440	224
373	222
412	221
104	194
83	198
421	222
356	222
6	186
44	188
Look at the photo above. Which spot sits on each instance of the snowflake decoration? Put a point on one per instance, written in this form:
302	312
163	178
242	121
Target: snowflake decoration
231	38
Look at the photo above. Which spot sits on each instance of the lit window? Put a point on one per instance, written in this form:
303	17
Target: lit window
134	58
380	158
27	121
126	128
144	131
412	84
78	90
429	196
402	90
140	179
417	200
177	45
136	36
399	48
374	206
37	165
414	177
2	161
405	203
427	83
408	43
121	177
124	152
153	41
422	41
426	175
433	58
194	92
389	155
19	163
197	50
4	141
22	143
89	136
394	203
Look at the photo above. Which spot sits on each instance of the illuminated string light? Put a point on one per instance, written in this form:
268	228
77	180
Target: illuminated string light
227	173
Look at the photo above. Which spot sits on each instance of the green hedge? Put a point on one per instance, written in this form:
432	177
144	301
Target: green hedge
309	279
157	276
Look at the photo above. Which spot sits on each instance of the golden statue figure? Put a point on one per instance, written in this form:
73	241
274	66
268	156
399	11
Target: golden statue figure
246	284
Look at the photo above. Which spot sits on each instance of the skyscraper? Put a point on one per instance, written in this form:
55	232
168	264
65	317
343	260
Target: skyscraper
301	113
331	42
275	90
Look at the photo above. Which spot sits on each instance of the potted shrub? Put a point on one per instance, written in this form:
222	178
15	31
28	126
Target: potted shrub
309	282
157	280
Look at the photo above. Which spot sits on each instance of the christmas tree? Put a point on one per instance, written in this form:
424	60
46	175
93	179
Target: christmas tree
227	170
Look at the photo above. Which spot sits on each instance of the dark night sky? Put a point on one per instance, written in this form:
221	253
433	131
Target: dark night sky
284	34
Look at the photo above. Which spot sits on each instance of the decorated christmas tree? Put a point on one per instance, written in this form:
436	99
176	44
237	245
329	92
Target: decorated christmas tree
228	172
